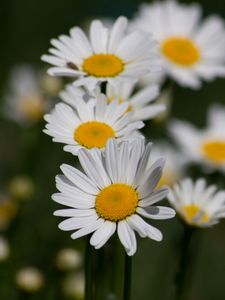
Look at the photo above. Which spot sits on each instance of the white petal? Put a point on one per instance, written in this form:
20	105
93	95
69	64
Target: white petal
154	197
77	222
143	164
117	33
93	168
127	237
74	201
74	212
112	159
156	212
137	224
149	182
79	179
135	156
88	229
98	36
101	235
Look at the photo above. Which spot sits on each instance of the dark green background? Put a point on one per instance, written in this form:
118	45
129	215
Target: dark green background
26	28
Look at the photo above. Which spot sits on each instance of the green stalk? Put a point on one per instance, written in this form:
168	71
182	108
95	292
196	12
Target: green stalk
88	271
184	264
127	277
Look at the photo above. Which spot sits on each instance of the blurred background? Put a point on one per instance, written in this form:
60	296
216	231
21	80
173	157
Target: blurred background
37	260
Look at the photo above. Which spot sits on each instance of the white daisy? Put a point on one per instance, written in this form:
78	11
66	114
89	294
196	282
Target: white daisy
109	54
25	102
140	103
114	193
206	146
190	50
197	204
89	123
174	162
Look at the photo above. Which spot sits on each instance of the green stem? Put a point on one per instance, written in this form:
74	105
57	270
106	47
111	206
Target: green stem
127	277
114	263
184	263
88	272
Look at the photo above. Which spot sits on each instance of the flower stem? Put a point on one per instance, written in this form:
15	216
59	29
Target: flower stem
127	277
88	271
184	264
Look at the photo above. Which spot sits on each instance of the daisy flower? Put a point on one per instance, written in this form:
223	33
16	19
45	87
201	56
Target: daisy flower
190	50
198	204
89	124
174	162
24	100
115	191
108	54
140	103
205	146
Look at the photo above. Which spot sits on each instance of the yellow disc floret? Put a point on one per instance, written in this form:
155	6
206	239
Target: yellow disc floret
103	65
214	150
116	202
93	134
194	215
181	51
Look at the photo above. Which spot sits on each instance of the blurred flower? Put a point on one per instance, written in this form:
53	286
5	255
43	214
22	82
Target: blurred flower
21	187
140	104
4	249
25	102
8	210
73	286
174	163
151	79
115	192
29	279
189	50
50	85
68	259
164	99
111	54
206	146
89	124
197	204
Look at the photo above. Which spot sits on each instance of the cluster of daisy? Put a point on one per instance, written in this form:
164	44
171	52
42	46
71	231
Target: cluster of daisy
117	70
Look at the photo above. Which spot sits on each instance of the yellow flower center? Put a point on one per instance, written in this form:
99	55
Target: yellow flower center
93	134
194	215
181	51
103	65
116	202
214	151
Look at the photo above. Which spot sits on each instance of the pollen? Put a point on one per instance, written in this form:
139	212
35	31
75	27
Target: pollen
93	134
116	202
194	215
181	51
103	65
214	150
